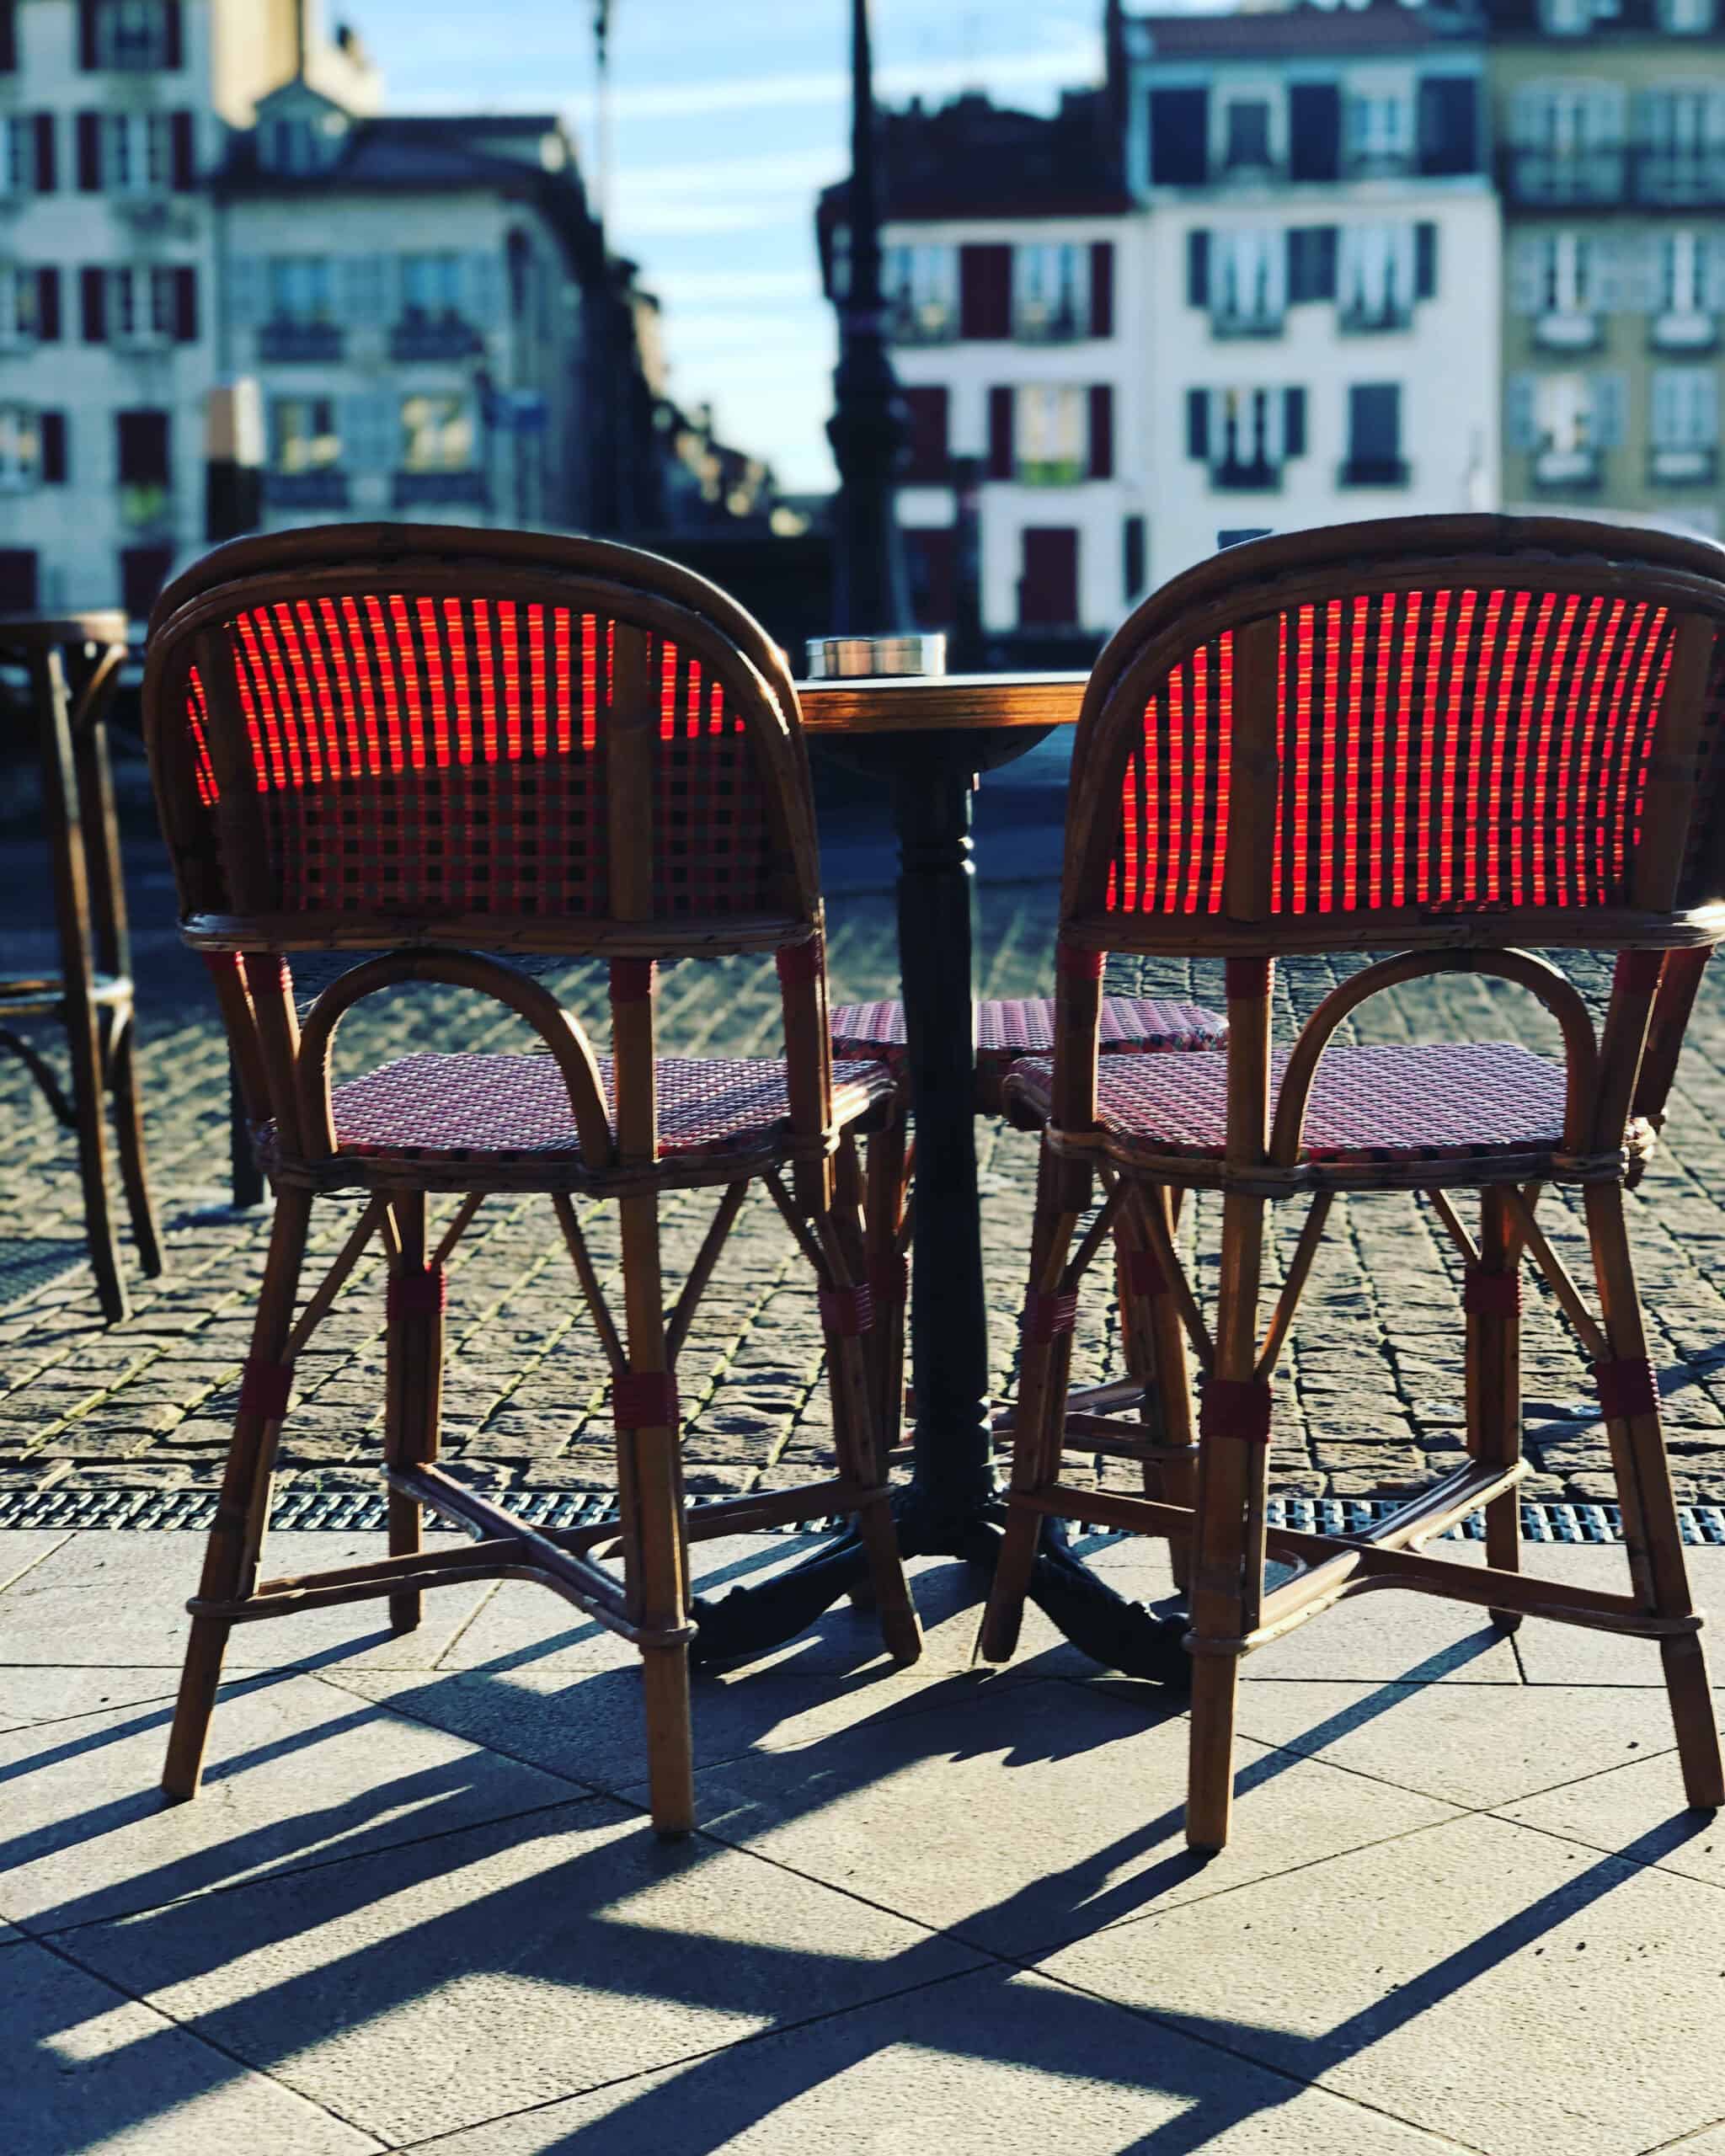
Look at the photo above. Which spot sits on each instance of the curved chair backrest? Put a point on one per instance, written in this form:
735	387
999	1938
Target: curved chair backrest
1425	731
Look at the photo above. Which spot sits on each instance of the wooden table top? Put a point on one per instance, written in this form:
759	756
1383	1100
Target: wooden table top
27	632
915	703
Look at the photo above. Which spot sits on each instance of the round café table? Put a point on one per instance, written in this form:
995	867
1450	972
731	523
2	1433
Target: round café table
929	737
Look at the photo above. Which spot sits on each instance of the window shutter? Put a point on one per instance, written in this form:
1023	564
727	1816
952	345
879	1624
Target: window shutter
1664	416
1449	124
1198	424
926	458
1294	423
145	459
1311	269
1179	138
183	164
1610	407
185	305
172	34
1133	556
93	294
1102	431
87	34
52	427
1102	288
1315	130
1712	275
48	304
1527	275
1521	412
1197	267
89	152
985	291
47	174
1002	462
1704	409
1425	260
8	36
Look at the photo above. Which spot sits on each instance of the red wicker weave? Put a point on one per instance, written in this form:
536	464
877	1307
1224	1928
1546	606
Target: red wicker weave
1448	736
416	742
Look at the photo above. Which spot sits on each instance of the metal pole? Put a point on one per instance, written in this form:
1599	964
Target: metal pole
871	591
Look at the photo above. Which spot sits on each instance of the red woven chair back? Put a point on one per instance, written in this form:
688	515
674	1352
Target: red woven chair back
1404	732
417	737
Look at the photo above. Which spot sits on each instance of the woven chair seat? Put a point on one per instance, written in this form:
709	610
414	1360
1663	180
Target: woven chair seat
1019	1026
1400	1108
483	1112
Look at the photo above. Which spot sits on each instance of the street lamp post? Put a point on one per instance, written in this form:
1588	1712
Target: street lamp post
871	591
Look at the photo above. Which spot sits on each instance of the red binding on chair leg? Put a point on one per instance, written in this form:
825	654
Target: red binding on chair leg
645	1399
1144	1273
797	964
846	1311
632	980
890	1279
1047	1317
264	1389
1491	1294
1627	1388
422	1293
1235	1408
1078	963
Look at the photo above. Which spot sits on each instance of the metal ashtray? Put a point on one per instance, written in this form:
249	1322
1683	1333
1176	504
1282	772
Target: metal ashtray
833	658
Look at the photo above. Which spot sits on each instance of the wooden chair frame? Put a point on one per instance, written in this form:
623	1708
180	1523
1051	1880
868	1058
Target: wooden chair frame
233	911
1615	1088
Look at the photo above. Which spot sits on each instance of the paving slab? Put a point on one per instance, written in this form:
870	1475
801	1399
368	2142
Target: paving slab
439	1985
21	1547
110	1600
87	2068
1565	1654
38	1692
1520	1993
973	2066
1440	1739
298	1772
1639	1804
1082	1792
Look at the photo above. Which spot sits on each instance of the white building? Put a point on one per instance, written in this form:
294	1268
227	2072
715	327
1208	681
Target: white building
1323	255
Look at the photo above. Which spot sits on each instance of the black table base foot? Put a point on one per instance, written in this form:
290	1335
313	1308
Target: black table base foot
1127	1636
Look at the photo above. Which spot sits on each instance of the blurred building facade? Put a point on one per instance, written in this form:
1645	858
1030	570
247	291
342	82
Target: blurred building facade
1610	127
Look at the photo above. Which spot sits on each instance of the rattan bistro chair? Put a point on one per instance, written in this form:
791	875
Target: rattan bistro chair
1443	737
418	742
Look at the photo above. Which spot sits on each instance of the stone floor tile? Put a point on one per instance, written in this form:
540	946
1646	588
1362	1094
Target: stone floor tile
89	2069
428	1987
106	1600
1523	1994
298	1772
1640	1805
978	2065
38	1692
1477	1746
1567	1654
1082	1790
20	1548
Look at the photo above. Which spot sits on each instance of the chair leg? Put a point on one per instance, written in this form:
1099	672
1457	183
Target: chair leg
414	1384
90	1106
1649	1507
1227	1568
1155	1342
1494	1382
655	1552
242	1511
129	1123
888	1182
860	1443
1038	1424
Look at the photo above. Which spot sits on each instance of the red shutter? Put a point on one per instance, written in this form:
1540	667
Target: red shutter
87	34
89	152
927	410
1048	590
48	306
53	436
184	155
47	171
8	35
1102	288
1002	457
1102	431
933	563
93	291
173	34
985	291
185	306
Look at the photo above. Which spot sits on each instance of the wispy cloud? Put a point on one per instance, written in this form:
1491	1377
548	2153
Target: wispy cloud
797	171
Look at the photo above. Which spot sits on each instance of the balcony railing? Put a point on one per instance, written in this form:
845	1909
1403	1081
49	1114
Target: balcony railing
1233	476
1049	470
1568	332
1567	467
1042	326
1541	178
1680	179
319	489
447	337
1358	318
410	488
1672	332
1373	471
929	323
1682	467
286	339
1228	322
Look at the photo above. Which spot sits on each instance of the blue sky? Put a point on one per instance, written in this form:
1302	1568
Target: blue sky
729	116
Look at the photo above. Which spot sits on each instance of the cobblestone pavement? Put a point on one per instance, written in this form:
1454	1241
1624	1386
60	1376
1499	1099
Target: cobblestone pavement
1370	1401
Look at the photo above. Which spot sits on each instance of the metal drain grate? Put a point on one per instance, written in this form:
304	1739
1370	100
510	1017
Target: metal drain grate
356	1512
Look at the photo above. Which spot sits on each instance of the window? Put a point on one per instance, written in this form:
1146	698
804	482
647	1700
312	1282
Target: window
302	142
300	288
17	580
19	173
1377	276
136	153
1374	437
1050	446
922	293
1568	17
1378	130
1687	17
1565	420
1179	138
143	448
1686	408
303	433
431	286
1050	291
1312	263
1248	139
143	304
437	431
1244	435
1248	281
133	34
1682	121
20	309
20	448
